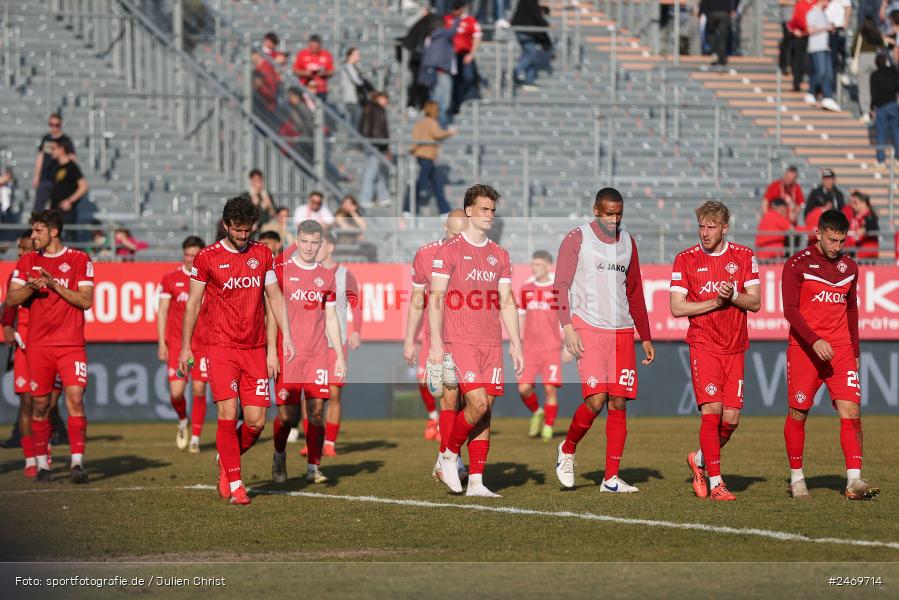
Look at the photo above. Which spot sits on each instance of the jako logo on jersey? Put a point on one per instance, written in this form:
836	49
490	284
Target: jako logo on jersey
711	389
308	296
829	297
319	281
478	275
611	267
469	376
236	283
731	268
702	269
841	267
592	381
64	267
224	266
492	260
800	397
252	263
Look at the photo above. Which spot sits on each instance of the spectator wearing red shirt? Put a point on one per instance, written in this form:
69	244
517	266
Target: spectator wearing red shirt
265	82
787	190
465	44
314	63
270	48
769	244
798	29
864	224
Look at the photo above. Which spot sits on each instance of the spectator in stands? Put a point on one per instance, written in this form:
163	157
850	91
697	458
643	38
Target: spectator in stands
348	218
265	85
864	225
838	13
126	246
826	191
770	242
315	209
280	225
799	45
99	246
493	11
785	48
438	66
272	240
69	184
868	44
884	87
373	125
354	87
529	13
788	190
466	84
414	44
812	218
260	196
270	48
427	133
299	125
718	14
821	78
44	164
314	63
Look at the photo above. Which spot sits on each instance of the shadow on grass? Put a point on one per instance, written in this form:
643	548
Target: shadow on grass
350	447
508	475
297	482
103	438
113	466
827	482
634	476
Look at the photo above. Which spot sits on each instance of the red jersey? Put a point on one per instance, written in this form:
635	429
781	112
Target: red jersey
175	286
422	265
800	11
235	281
53	321
306	59
768	243
307	290
468	31
698	275
17	316
471	305
819	299
539	303
778	189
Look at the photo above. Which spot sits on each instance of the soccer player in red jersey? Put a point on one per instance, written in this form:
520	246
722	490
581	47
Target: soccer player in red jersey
538	310
311	313
821	304
714	283
416	353
59	283
599	273
471	292
174	291
236	277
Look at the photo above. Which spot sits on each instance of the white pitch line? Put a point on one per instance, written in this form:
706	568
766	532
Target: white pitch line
781	536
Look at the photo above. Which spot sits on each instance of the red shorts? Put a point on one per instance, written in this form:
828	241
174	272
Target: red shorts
608	363
240	373
333	379
46	362
478	367
200	371
806	372
304	375
21	378
717	377
546	363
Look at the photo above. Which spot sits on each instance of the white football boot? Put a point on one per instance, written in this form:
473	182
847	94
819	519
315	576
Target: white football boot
565	465
616	485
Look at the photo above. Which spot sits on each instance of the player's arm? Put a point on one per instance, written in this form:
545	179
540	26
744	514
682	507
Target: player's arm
271	341
332	330
791	288
852	317
439	284
566	266
9	324
191	313
636	302
162	315
681	308
276	304
82	298
414	322
354	300
508	312
18	294
749	299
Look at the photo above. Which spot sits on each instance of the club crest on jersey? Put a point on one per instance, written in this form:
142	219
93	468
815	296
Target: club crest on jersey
800	397
65	268
33	385
252	263
469	376
319	281
711	389
171	372
20	382
233	385
282	394
592	381
731	268
841	267
492	260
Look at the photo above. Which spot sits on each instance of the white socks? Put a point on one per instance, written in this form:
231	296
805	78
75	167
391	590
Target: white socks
235	484
77	460
715	481
182	423
698	459
853	474
433	415
474	480
43	463
194	439
30	462
796	475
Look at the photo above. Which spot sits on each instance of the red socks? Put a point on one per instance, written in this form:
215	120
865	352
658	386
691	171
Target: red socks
77	431
447	418
851	441
315	440
331	431
461	429
27	446
550	411
794	436
180	406
725	430
305	427
281	431
198	415
616	434
580	424
40	434
427	398
247	436
531	402
477	456
228	446
710	443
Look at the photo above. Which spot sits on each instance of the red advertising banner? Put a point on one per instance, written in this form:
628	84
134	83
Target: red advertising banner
125	301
